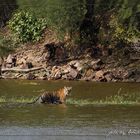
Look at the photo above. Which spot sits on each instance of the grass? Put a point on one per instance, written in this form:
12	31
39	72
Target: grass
3	99
118	99
123	99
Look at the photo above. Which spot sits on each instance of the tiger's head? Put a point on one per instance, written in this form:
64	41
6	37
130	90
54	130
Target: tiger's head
67	90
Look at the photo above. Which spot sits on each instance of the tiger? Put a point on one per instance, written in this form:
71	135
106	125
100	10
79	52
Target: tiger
54	97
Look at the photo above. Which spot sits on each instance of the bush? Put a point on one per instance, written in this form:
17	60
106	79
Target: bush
26	26
122	33
6	46
66	17
63	17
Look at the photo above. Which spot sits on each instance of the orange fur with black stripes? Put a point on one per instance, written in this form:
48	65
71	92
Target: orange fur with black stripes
55	97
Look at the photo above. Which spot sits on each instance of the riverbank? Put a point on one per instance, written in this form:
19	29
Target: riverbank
52	62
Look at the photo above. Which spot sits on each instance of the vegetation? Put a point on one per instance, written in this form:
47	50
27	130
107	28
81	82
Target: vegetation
125	99
26	26
92	21
64	17
94	24
6	46
118	99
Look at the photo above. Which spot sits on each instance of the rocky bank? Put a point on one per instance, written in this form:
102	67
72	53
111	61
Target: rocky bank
43	63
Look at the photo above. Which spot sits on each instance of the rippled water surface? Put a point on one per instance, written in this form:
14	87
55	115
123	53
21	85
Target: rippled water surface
69	121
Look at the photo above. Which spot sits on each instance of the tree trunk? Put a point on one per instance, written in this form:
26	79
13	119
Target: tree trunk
6	9
87	27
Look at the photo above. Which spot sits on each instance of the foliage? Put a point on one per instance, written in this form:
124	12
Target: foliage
119	21
26	26
6	46
7	7
62	16
117	99
112	20
122	33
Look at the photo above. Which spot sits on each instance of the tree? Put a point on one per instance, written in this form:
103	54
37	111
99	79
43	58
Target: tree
6	9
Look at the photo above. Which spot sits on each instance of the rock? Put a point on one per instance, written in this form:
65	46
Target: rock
0	70
138	80
1	61
99	74
59	52
57	75
9	65
109	77
21	61
65	69
87	78
54	51
89	75
98	62
64	77
96	65
18	75
41	75
29	65
72	74
9	59
76	65
30	76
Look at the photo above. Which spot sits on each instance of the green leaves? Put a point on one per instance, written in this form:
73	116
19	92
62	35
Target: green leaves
6	46
27	27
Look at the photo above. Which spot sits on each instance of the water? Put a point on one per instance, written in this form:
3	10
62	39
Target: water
68	121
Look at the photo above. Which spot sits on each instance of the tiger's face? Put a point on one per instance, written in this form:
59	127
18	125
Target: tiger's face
67	90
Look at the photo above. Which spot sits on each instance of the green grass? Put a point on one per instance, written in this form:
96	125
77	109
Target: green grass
3	99
123	99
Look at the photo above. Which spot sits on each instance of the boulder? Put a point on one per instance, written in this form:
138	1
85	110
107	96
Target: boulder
76	65
89	75
56	73
1	61
96	65
72	74
9	59
65	69
99	74
21	61
109	77
30	76
138	80
64	77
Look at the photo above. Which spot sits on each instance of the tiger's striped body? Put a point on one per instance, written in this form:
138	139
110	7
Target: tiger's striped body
55	97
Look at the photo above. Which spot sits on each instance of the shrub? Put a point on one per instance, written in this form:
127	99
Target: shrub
26	26
121	32
62	16
66	17
6	46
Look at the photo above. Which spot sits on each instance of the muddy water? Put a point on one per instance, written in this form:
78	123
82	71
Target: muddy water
68	121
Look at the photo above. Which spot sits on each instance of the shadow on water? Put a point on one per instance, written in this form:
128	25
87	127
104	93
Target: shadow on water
7	7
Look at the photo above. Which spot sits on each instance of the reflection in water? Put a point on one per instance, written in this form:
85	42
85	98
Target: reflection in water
68	119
